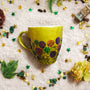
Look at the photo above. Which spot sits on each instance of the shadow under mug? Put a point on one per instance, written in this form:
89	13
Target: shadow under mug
45	43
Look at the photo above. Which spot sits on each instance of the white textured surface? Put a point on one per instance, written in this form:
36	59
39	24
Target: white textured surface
23	19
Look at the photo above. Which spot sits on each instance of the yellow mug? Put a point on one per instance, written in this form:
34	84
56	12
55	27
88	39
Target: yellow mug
45	42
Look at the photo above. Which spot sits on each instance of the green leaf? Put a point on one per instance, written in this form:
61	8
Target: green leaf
9	75
3	66
12	66
87	77
50	3
9	69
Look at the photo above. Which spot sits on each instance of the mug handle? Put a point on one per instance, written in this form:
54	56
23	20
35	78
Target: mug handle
20	41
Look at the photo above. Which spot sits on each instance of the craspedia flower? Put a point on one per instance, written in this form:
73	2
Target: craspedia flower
38	51
52	54
57	40
36	42
47	49
50	43
42	44
80	71
58	47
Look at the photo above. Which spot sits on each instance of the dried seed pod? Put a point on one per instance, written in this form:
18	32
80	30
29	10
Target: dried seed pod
83	13
40	10
86	19
44	10
7	35
58	78
88	59
44	87
2	18
86	56
37	2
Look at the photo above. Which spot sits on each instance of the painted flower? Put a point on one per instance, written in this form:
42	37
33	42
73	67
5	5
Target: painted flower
42	44
29	42
47	49
58	47
57	40
33	45
61	40
45	57
36	42
52	54
38	57
38	51
50	43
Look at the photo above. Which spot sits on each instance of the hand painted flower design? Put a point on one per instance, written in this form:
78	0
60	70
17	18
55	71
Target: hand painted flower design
36	42
38	57
47	49
52	54
38	51
33	45
50	43
57	40
42	44
29	40
58	47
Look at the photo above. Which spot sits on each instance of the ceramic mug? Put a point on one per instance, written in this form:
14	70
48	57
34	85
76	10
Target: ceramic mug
45	42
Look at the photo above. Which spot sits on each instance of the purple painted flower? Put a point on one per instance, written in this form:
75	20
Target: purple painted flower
52	54
38	57
42	44
58	47
57	40
38	51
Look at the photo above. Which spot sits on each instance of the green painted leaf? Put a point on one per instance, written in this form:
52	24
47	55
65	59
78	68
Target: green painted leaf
50	3
9	69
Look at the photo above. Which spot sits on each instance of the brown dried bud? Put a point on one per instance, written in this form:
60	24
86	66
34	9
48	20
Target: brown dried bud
2	18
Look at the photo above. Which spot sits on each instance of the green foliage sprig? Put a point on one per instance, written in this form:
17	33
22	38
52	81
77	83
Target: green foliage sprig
8	70
50	3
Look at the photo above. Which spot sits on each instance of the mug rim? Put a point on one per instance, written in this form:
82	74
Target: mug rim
46	26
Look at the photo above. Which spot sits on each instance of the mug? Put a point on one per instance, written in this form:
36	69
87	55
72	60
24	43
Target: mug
45	42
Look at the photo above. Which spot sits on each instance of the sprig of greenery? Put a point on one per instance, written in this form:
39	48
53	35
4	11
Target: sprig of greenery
8	70
50	3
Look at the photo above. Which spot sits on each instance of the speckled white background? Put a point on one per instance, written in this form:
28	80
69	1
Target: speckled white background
23	19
